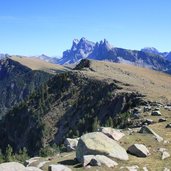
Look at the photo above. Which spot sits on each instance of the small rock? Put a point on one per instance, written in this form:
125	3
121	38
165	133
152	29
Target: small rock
132	168
146	129
165	155
31	160
71	144
166	169
139	150
149	121
147	108
168	125
58	167
112	133
87	159
145	169
156	113
162	120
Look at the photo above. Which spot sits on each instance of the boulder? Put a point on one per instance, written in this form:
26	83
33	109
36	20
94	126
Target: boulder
139	150
162	120
112	133
58	167
71	144
168	125
98	160
30	168
146	129
97	143
156	113
12	166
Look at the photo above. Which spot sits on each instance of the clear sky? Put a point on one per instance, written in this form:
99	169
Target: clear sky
33	27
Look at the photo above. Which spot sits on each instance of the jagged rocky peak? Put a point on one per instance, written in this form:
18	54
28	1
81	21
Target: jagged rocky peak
150	50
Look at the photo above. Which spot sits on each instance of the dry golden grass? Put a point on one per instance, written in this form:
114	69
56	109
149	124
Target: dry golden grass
38	64
155	85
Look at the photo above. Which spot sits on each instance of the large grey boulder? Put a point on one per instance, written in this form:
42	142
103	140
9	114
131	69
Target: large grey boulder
148	130
97	143
139	150
98	160
58	167
12	166
71	144
112	133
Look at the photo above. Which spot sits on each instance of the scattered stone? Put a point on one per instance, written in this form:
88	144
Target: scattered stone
156	113
146	129
157	109
162	120
162	150
165	155
168	125
132	168
58	167
139	150
71	144
147	108
97	143
166	169
149	121
12	166
112	133
145	169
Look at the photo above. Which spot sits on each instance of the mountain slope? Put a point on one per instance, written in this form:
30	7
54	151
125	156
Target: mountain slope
17	82
38	64
69	103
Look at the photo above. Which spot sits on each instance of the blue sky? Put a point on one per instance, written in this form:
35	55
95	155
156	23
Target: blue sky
33	27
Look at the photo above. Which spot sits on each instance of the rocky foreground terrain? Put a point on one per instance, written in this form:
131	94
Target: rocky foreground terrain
103	116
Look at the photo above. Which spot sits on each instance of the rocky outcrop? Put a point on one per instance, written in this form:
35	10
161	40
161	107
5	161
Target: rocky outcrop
139	150
112	133
97	143
146	129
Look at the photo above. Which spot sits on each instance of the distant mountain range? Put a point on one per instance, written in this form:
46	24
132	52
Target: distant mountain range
148	57
103	50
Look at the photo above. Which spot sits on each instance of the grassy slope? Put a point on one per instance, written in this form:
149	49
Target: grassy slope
155	85
38	64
